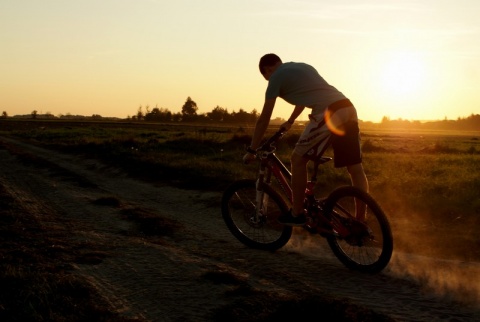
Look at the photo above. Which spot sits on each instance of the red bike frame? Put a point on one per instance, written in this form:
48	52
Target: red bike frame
271	164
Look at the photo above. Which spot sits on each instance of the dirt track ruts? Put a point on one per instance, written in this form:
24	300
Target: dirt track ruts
163	278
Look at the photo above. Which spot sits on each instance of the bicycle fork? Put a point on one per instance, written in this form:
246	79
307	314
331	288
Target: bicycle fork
261	199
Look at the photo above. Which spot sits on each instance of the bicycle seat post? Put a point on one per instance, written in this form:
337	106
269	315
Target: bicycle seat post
313	177
309	191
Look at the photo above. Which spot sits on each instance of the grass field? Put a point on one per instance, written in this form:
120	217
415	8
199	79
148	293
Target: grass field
427	182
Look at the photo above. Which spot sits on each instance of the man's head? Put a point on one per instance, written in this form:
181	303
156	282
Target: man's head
268	64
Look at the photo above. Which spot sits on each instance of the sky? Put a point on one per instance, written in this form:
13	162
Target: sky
414	60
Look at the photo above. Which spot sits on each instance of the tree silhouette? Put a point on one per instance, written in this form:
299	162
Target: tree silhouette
140	113
189	114
218	114
159	115
189	108
4	115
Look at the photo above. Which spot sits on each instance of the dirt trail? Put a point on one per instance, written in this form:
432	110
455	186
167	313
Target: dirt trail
165	278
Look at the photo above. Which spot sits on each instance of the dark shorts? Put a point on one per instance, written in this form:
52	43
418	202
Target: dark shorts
346	148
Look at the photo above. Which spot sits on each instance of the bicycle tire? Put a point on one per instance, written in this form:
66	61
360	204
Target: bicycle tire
372	254
238	211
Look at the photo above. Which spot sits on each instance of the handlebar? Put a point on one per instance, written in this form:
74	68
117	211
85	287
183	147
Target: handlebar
269	145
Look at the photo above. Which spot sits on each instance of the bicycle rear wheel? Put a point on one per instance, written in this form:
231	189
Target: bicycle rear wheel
370	247
257	230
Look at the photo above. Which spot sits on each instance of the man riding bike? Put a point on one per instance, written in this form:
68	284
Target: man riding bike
333	121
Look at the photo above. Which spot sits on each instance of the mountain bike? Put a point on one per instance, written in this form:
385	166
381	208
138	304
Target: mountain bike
250	209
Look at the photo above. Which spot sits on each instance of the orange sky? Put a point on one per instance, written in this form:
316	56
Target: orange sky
401	59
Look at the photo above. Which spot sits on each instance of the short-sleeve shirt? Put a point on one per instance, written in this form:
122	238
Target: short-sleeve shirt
301	84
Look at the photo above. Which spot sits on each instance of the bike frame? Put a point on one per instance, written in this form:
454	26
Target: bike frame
270	165
273	166
364	245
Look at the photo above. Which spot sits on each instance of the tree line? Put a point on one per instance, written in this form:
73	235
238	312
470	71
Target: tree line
220	114
469	123
189	113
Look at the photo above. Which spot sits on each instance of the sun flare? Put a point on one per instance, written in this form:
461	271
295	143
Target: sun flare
402	74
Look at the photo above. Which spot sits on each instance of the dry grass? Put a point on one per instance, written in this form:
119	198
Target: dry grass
428	186
36	272
39	283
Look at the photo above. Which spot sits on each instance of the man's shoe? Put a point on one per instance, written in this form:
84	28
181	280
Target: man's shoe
290	220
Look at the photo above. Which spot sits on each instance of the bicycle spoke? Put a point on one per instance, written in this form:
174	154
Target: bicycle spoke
365	245
256	227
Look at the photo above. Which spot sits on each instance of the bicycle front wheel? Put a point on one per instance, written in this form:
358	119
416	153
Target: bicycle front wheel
370	245
255	228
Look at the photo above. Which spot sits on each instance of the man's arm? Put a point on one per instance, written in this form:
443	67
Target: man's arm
262	122
296	113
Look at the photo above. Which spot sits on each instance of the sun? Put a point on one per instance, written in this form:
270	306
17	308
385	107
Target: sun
402	75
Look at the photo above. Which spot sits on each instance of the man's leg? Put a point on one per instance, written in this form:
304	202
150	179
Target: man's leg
299	182
357	174
359	180
315	137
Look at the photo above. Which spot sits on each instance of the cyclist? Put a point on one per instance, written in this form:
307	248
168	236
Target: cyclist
333	120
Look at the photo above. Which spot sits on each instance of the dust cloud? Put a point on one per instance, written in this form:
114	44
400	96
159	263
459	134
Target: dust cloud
453	280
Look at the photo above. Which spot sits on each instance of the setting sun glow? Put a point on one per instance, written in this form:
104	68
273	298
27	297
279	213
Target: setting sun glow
402	59
402	74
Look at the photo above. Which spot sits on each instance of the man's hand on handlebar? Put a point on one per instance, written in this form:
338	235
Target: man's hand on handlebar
251	154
